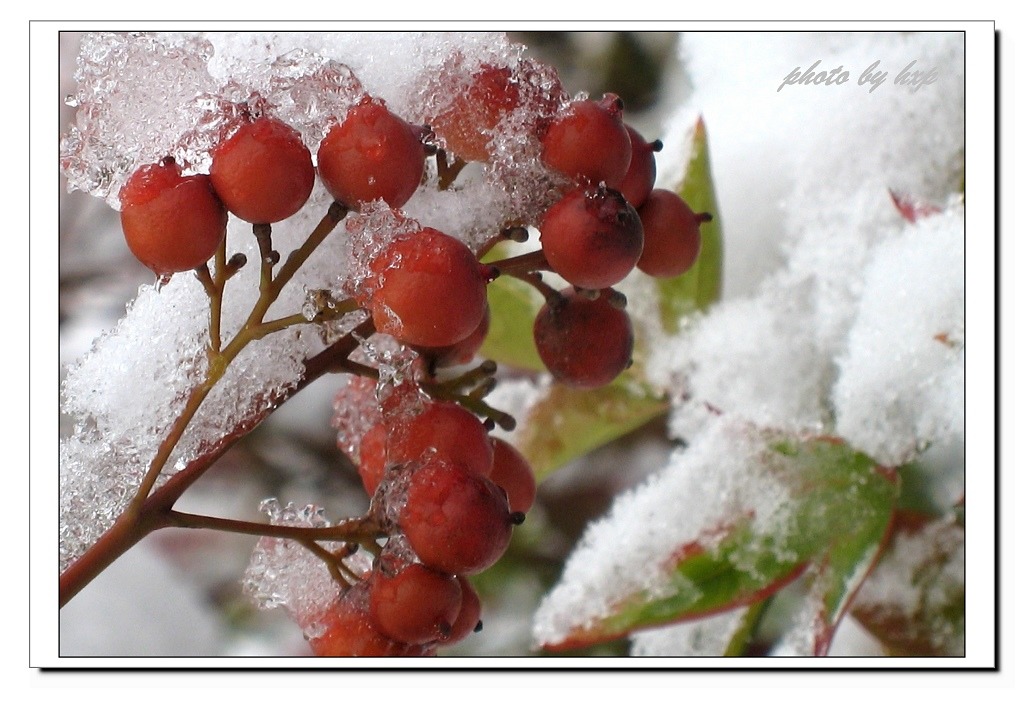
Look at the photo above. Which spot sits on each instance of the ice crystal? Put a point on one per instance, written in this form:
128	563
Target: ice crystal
282	572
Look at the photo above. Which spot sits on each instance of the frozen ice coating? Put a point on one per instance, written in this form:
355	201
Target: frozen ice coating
719	478
205	83
97	480
369	232
282	572
136	98
355	412
390	65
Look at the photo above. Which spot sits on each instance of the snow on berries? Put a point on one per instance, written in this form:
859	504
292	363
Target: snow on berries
472	108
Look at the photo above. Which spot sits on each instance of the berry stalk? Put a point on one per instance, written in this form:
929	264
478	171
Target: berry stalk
358	530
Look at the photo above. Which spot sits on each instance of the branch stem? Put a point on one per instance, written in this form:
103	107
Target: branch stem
152	511
149	509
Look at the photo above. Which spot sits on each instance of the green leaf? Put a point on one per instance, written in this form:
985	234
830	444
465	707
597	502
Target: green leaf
741	638
838	576
568	423
919	491
840	508
514	305
701	285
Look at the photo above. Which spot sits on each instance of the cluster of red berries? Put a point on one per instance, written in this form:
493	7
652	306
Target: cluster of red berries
446	491
263	173
449	495
611	221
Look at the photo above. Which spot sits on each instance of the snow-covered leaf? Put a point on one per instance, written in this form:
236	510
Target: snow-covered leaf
832	584
782	503
914	600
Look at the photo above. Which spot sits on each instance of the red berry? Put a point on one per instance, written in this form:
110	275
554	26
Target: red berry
671	235
589	142
347	630
592	237
463	351
372	154
513	474
467	124
373	457
470	110
639	179
468	619
417	605
170	222
264	172
432	290
584	343
446	430
454	520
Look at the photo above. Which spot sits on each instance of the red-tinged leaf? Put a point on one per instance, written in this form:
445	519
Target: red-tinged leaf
840	574
926	561
912	208
727	634
839	510
834	582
